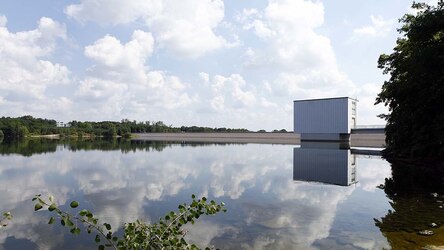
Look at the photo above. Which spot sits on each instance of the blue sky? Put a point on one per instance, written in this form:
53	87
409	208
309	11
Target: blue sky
192	62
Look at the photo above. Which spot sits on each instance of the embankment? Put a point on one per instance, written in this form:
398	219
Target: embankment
357	140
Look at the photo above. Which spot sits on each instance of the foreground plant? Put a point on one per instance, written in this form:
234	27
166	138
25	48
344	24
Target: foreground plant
165	234
7	216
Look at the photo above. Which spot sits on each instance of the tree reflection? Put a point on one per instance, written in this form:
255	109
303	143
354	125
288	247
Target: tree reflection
417	195
29	147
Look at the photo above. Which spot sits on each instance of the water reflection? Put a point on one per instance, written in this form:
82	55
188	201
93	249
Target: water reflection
416	196
327	162
29	147
125	180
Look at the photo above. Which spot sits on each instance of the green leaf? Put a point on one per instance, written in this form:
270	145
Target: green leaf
51	220
83	212
182	221
75	230
69	222
101	247
37	207
107	226
97	239
52	207
74	204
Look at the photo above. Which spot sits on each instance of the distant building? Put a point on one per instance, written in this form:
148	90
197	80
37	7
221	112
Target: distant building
329	119
62	125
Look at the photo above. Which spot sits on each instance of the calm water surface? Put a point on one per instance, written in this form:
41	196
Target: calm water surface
270	203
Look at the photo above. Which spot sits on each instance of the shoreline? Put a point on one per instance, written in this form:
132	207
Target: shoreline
356	140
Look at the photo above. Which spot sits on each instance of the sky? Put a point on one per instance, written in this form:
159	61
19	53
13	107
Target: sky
215	63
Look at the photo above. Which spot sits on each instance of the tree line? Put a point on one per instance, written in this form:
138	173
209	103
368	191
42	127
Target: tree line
20	127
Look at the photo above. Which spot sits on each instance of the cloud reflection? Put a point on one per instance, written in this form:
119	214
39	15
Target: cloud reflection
267	209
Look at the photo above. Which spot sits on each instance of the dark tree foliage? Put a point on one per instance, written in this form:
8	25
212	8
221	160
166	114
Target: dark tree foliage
415	91
28	147
22	126
12	128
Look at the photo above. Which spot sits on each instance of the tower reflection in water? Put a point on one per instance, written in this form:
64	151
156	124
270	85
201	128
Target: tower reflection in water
327	162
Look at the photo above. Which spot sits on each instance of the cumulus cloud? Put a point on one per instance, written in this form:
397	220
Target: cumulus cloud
232	88
379	27
3	21
121	83
305	60
231	99
288	28
110	52
25	71
185	28
114	11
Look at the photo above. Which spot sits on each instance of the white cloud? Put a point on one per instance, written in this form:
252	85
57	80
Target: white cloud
233	95
205	77
110	52
121	84
367	111
203	232
305	60
372	173
112	11
100	90
379	27
296	43
218	103
313	84
26	74
3	21
185	28
300	61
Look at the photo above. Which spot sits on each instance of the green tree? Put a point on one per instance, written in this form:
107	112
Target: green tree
22	131
414	92
110	130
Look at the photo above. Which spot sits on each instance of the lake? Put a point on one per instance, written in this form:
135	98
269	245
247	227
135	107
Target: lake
277	196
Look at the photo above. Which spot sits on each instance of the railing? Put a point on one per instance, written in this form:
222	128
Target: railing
369	126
